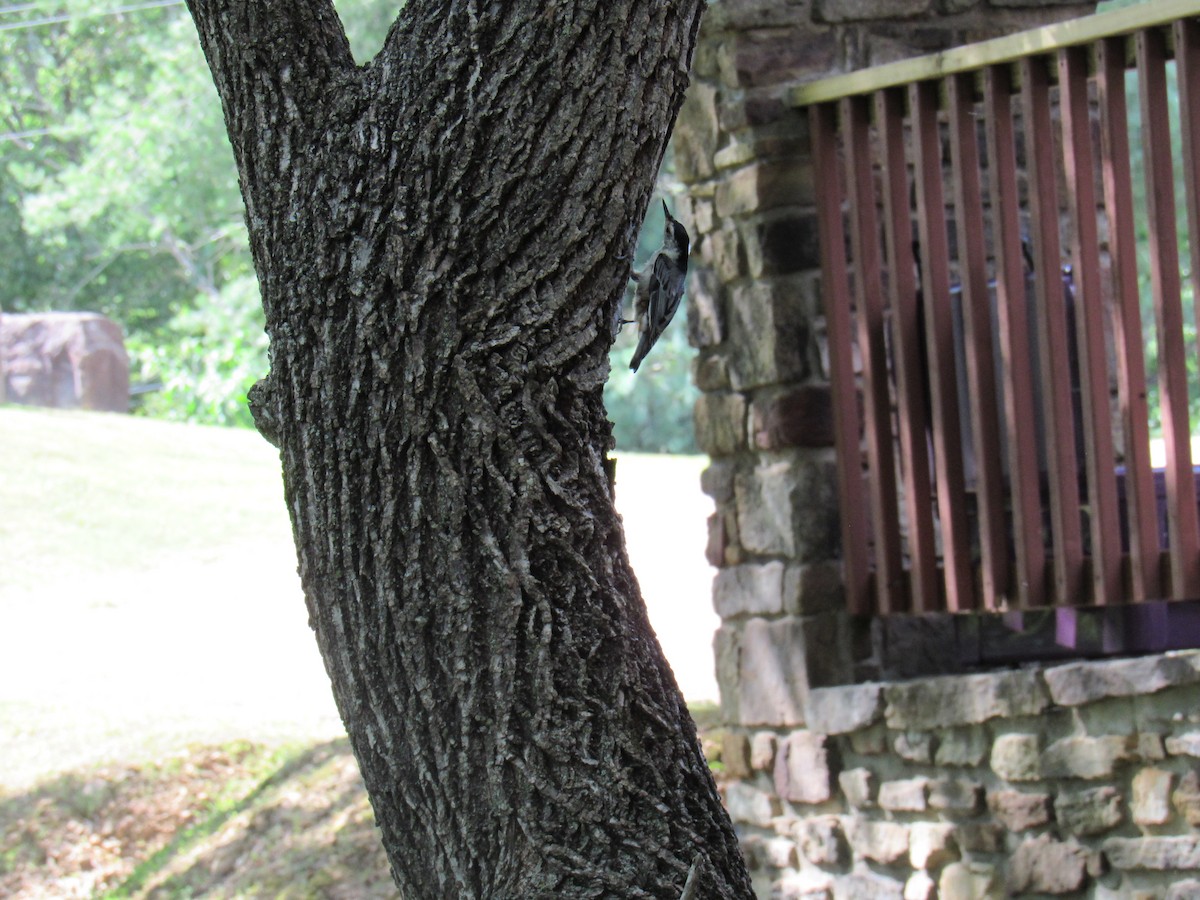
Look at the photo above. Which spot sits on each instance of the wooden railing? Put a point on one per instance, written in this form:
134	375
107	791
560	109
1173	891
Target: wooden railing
980	244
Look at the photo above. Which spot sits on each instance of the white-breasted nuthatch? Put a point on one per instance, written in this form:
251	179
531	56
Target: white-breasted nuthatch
659	287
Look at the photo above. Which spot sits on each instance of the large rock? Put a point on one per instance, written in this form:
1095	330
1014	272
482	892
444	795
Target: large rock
720	423
1017	757
1045	865
1081	756
802	768
1187	798
1090	811
1180	853
768	327
878	841
758	58
698	133
963	700
749	590
1151	803
795	417
842	709
1077	683
766	667
822	840
750	805
786	506
64	359
1019	810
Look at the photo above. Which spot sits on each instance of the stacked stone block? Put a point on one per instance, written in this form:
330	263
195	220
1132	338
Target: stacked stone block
1078	780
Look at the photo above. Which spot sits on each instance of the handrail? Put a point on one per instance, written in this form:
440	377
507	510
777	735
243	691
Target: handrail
998	50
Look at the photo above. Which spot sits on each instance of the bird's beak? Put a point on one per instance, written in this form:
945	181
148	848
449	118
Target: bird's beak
665	210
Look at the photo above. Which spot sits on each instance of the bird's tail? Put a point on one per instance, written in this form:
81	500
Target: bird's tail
645	342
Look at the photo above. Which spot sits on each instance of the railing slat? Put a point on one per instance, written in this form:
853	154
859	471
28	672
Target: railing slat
835	288
913	414
977	327
1140	500
1182	526
1052	332
868	294
1187	74
1090	315
1029	582
939	342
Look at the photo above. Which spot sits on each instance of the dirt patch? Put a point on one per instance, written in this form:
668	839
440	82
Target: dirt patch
215	822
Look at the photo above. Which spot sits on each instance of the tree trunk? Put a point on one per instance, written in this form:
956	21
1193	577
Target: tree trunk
441	238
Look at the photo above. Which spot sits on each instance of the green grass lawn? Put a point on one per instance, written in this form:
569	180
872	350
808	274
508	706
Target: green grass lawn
86	493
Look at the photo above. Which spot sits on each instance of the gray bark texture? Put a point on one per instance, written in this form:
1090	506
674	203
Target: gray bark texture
441	238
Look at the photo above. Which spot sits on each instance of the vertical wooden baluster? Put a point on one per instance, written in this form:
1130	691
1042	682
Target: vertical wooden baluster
1052	333
913	414
1187	74
1029	583
939	342
977	327
835	289
1140	502
1182	526
1099	459
868	294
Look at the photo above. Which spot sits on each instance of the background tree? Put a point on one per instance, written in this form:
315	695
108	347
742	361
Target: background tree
116	172
441	239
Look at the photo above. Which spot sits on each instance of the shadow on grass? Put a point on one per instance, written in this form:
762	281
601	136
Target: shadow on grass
237	820
305	830
232	821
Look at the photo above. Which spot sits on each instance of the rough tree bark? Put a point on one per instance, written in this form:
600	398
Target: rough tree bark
439	237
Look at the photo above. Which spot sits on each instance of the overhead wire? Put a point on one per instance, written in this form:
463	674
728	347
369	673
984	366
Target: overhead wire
56	19
75	17
16	8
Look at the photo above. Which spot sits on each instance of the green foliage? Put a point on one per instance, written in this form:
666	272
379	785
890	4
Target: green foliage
367	23
651	409
118	194
207	359
117	176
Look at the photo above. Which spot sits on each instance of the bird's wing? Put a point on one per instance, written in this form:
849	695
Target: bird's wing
664	291
663	299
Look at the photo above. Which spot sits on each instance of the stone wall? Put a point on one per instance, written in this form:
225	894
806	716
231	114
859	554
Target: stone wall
1080	779
844	788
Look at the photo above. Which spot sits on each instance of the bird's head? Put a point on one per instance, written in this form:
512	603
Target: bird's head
675	235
